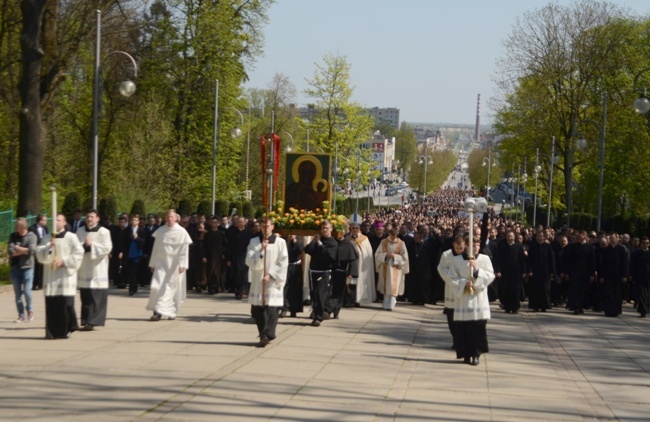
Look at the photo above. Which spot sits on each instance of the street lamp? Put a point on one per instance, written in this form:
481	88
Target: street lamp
582	143
487	162
552	162
235	133
288	148
426	160
524	179
641	104
126	88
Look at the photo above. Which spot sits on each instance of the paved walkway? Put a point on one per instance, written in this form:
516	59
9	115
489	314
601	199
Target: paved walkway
370	365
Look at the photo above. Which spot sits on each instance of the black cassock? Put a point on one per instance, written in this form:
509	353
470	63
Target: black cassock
293	301
640	275
541	262
579	260
238	241
215	246
419	280
611	269
511	265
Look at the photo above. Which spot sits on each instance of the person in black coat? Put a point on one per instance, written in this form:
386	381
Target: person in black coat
40	229
510	270
541	265
421	268
612	274
347	267
293	300
119	234
640	276
238	237
580	266
133	248
323	250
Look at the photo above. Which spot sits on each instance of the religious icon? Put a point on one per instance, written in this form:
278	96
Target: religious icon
307	181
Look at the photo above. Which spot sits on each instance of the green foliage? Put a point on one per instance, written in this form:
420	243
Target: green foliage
221	207
4	274
71	203
442	163
107	209
185	207
204	208
236	205
138	208
248	209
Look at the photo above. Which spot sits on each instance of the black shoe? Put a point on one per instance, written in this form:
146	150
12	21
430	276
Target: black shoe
132	292
283	313
467	360
475	361
155	317
514	312
293	315
263	342
315	323
87	327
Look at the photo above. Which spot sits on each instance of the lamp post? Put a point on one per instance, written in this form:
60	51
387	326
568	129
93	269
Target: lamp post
550	183
602	129
126	88
537	169
487	162
426	160
235	133
641	104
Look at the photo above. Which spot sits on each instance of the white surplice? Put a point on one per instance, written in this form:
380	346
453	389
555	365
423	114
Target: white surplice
93	273
276	259
170	253
365	291
61	281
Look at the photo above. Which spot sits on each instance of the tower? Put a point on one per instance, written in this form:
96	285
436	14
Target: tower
477	129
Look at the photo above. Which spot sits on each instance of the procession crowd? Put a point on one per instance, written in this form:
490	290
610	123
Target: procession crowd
418	253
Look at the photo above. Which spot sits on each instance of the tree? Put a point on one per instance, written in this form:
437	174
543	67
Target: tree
340	124
406	148
558	60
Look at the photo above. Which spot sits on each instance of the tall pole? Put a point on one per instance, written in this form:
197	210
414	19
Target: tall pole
536	177
517	192
215	136
271	165
356	209
248	147
487	188
603	131
307	140
550	184
98	39
335	174
524	178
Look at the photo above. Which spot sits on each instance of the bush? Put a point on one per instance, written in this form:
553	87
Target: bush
184	207
107	209
248	209
238	205
138	208
71	203
4	274
204	208
221	207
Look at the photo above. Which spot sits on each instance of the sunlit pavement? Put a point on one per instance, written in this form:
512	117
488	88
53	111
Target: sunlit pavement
368	365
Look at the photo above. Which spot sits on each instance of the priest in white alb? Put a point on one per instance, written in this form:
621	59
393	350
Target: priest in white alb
61	255
365	284
392	265
168	262
267	259
93	274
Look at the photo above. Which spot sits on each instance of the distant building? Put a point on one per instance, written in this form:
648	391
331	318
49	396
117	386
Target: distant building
383	154
389	116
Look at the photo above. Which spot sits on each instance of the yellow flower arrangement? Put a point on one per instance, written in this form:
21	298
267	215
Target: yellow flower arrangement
306	219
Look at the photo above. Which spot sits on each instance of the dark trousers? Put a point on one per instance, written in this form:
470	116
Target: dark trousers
471	338
450	323
266	318
319	286
93	306
133	274
337	292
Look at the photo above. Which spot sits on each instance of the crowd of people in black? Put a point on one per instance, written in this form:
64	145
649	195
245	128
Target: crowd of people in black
545	266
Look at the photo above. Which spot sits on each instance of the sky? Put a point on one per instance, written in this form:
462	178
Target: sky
428	58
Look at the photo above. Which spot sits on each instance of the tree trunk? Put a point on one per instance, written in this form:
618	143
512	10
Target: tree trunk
31	134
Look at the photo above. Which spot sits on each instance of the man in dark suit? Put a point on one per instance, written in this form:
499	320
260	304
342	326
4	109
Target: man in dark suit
76	221
133	247
40	229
